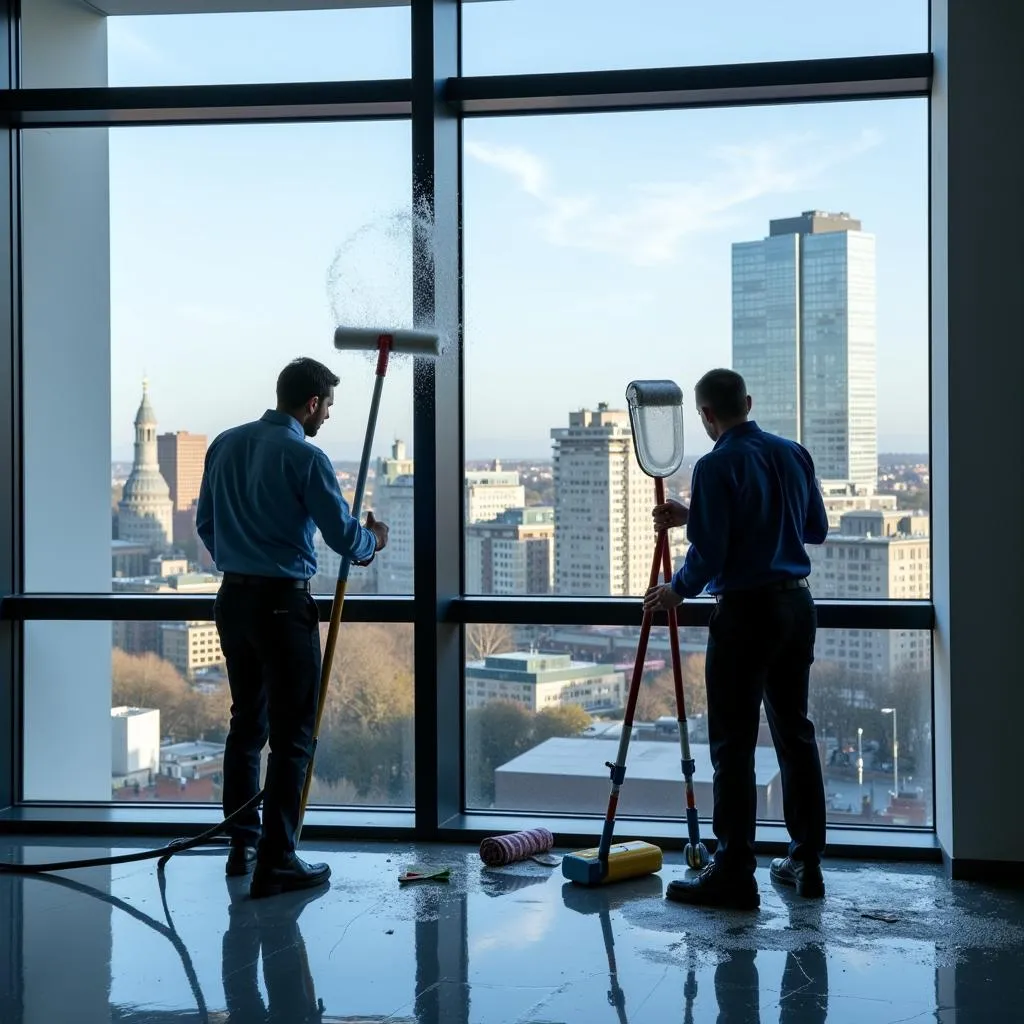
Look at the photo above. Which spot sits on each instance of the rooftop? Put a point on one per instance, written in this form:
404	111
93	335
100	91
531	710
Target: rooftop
647	760
132	712
189	751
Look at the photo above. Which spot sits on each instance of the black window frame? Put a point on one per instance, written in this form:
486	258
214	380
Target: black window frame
435	99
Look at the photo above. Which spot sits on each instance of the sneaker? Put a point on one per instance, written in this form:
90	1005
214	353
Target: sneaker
716	887
805	878
293	874
241	860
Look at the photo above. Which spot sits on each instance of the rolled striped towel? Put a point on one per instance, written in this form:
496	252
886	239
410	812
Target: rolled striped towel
497	851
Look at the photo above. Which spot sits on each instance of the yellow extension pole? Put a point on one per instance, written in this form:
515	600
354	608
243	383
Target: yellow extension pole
384	343
325	676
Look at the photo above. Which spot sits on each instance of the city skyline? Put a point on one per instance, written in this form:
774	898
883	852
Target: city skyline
597	249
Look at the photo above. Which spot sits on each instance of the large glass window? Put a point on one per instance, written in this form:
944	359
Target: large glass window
790	243
358	42
232	251
595	35
169	273
544	713
161	692
76	45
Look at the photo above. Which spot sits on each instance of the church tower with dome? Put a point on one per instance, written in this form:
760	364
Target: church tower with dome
146	511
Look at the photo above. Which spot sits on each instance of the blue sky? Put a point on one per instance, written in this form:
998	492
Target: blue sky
597	247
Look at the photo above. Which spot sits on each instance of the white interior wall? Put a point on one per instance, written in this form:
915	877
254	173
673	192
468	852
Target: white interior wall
66	398
977	364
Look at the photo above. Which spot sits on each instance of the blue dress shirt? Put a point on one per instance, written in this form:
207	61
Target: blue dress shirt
265	490
754	504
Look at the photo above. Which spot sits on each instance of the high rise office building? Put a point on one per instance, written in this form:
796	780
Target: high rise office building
803	336
603	500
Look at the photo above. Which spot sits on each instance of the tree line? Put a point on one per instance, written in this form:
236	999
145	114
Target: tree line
366	736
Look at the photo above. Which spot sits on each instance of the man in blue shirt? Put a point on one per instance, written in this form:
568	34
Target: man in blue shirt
754	504
264	493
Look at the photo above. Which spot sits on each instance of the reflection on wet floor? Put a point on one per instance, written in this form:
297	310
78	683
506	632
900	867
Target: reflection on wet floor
498	946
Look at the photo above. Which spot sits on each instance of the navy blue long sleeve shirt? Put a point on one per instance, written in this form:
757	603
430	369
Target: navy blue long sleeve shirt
264	493
754	504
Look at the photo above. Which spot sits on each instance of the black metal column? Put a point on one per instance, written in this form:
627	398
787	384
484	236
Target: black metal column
10	414
437	422
11	919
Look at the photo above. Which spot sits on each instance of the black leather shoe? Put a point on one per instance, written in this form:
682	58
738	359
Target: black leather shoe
292	875
805	878
241	859
715	887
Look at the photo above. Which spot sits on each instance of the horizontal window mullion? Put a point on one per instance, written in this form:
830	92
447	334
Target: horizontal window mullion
596	611
207	104
715	85
645	88
626	612
177	608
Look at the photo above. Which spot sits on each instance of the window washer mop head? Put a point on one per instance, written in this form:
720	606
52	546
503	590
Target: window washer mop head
403	342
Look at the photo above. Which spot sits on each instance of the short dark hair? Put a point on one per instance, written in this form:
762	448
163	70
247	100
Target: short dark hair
301	380
724	392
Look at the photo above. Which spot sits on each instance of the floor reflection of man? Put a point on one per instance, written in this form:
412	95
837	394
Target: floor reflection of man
268	929
803	997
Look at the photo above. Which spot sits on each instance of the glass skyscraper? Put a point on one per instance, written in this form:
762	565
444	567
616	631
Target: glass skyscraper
803	336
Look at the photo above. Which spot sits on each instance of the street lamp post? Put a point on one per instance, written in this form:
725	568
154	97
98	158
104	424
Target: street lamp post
860	758
895	753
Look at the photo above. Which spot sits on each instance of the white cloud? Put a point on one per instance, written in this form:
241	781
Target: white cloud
520	163
647	223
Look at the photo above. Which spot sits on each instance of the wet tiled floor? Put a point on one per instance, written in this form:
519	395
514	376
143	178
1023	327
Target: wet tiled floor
497	947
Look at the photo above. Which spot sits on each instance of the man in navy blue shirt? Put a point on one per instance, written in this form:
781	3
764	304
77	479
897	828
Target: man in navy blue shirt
754	504
264	493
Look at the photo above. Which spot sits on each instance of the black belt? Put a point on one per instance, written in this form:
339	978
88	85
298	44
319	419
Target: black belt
238	579
767	588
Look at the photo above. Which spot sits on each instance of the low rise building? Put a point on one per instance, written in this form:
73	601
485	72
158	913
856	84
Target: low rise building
538	681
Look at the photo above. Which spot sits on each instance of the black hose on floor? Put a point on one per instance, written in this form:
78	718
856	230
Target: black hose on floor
212	836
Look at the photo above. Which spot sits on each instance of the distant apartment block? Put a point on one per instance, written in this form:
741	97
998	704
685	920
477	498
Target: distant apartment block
538	681
392	570
841	498
489	492
391	500
874	555
603	502
181	456
191	646
512	554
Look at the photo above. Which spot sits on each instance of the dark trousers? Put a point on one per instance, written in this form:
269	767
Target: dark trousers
270	636
760	647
